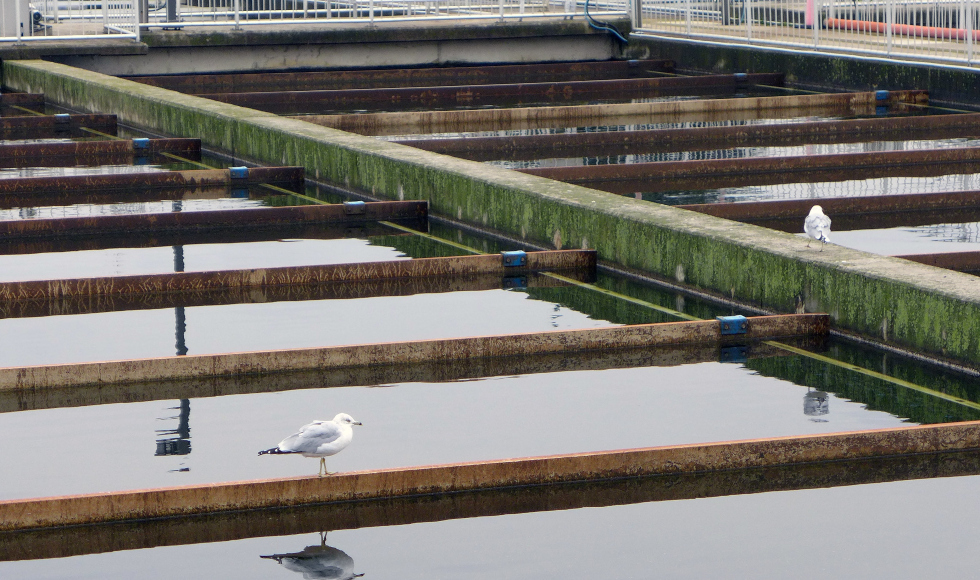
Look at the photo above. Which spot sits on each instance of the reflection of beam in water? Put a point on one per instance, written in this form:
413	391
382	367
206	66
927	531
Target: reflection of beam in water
220	527
14	400
181	444
318	561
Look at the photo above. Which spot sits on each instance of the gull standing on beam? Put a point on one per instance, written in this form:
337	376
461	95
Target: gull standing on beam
318	439
817	226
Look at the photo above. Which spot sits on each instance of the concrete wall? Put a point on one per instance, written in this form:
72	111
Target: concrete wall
904	303
275	48
946	85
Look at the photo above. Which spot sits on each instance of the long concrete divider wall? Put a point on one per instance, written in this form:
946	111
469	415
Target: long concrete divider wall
908	304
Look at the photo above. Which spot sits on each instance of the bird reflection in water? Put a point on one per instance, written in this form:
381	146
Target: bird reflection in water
815	405
321	561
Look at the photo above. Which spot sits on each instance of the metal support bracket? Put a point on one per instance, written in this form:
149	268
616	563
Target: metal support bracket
733	324
515	258
62	118
238	172
515	282
354	208
881	95
141	146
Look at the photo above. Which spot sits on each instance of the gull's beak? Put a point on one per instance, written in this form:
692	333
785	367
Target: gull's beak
357	423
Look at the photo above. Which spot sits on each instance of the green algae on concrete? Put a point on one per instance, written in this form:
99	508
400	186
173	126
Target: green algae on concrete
904	303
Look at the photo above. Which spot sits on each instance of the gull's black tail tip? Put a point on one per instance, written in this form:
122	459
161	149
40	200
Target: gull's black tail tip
274	451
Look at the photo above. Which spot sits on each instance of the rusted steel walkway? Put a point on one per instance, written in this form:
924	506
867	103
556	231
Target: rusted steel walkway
530	147
274	361
462	477
543	117
256	218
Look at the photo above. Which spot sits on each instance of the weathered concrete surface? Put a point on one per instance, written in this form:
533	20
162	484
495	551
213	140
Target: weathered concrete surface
461	477
393	353
345	45
95	47
822	72
910	305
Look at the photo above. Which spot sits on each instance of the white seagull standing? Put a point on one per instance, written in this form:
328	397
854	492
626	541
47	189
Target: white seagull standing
817	225
319	439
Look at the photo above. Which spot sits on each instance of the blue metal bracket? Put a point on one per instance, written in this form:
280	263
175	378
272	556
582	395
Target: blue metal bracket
515	258
141	143
734	354
881	95
741	77
239	192
238	172
733	324
62	118
354	207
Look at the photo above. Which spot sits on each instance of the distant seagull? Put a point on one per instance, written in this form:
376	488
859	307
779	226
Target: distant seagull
817	225
320	561
319	439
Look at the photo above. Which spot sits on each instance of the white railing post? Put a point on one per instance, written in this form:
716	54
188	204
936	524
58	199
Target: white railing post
501	10
687	16
238	14
18	20
371	11
968	25
748	18
636	13
817	22
889	23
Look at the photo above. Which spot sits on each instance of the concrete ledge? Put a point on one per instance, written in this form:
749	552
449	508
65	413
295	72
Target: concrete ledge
96	46
910	305
461	477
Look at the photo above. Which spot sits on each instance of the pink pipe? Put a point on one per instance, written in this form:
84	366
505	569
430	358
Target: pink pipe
902	29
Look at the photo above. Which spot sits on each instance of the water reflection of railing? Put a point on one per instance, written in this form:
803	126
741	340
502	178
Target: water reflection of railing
956	233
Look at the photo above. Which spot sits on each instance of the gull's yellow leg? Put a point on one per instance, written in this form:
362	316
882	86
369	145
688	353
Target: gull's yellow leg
323	467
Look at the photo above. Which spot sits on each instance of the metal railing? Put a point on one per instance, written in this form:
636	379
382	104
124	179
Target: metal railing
68	19
264	12
943	31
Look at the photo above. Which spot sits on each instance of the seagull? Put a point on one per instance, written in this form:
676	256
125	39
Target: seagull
817	225
319	439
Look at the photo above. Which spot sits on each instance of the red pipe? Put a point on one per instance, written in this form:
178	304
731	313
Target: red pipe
902	29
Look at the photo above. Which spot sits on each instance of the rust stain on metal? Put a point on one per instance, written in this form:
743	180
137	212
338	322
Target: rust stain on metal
154	180
959	261
474	476
851	213
711	174
474	95
90	152
209	220
53	292
407	77
260	362
49	125
23	99
426	372
539	117
529	147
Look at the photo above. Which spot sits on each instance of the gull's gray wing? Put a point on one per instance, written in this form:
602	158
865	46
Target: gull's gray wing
310	437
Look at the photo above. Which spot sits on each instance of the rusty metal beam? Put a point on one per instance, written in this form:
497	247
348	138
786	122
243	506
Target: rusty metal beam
530	147
423	122
959	261
261	362
144	239
22	99
312	519
47	126
454	478
235	286
71	197
74	153
853	213
154	180
393	99
13	400
211	220
405	77
715	173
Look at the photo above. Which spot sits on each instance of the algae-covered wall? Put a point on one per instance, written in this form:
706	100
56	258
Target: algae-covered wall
904	303
946	85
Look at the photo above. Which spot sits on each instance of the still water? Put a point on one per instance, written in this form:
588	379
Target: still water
421	423
910	529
